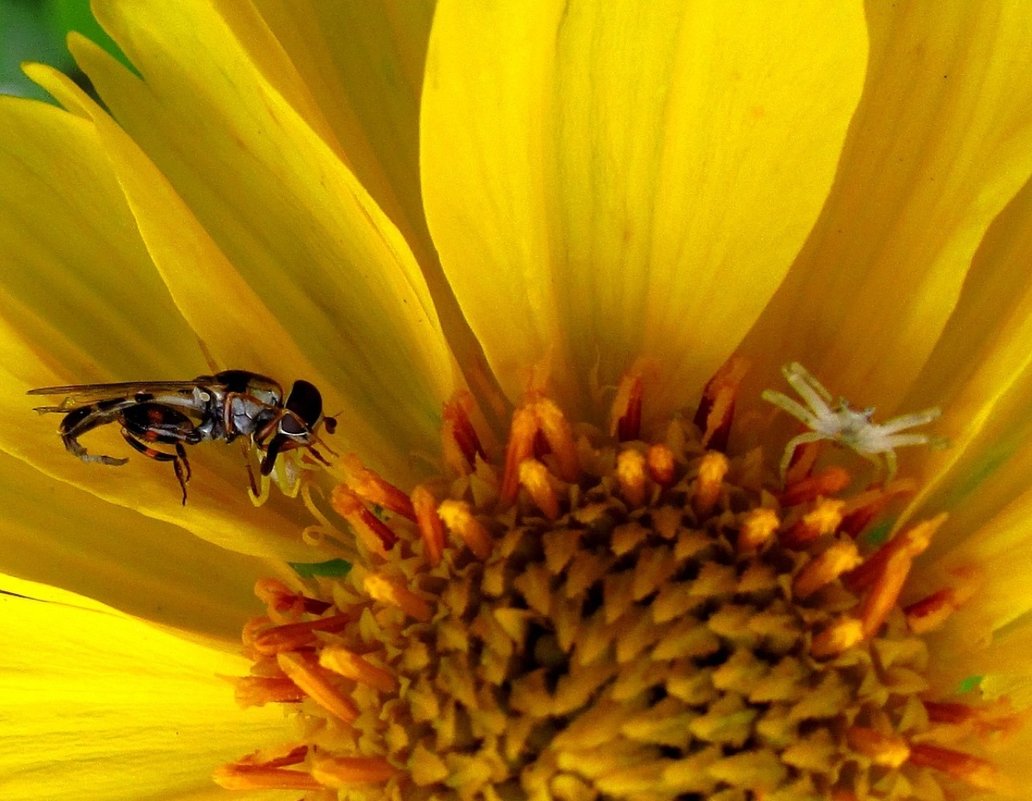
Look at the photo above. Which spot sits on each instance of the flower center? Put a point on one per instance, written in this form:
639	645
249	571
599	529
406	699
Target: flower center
602	617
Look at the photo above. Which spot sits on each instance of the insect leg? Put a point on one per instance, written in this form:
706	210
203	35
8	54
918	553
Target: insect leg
177	458
246	450
79	421
795	442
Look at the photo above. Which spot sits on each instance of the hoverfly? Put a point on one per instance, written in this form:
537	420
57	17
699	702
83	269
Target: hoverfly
224	406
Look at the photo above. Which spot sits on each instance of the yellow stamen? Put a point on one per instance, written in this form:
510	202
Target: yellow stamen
819	522
712	469
825	568
836	638
535	479
884	749
559	435
458	516
352	666
630	473
376	535
757	528
625	413
522	432
391	592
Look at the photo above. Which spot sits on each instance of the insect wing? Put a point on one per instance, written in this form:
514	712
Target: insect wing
87	393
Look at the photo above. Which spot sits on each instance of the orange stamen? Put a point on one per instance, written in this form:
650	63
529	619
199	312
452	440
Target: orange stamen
932	611
863	508
630	474
352	666
825	568
431	527
757	528
836	638
803	460
884	592
372	488
717	407
972	770
292	636
458	516
712	469
459	439
913	542
626	409
390	592
280	599
827	482
522	432
886	750
820	521
346	771
376	534
261	690
559	435
660	462
534	478
258	777
316	685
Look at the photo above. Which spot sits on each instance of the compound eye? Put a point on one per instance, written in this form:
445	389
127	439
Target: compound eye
292	426
306	402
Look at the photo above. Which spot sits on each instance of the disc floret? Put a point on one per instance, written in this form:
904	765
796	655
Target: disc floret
596	615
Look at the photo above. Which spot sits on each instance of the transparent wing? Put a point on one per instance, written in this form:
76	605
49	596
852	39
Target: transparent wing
78	394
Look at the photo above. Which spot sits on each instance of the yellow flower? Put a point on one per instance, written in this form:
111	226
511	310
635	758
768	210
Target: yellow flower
592	234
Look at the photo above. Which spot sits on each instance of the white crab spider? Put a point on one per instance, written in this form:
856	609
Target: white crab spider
845	425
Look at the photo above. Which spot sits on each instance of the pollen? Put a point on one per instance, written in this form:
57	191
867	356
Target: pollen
620	612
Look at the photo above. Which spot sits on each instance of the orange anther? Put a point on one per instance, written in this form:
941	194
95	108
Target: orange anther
660	462
291	636
373	488
282	601
535	479
458	516
431	527
459	440
827	482
884	592
970	769
315	683
376	534
913	542
346	771
262	690
258	777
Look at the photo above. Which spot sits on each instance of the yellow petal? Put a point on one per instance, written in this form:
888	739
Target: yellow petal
604	183
99	705
980	373
942	140
59	535
300	231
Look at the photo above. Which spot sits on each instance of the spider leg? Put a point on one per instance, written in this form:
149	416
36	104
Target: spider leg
795	442
910	420
794	408
809	388
890	464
